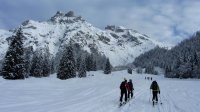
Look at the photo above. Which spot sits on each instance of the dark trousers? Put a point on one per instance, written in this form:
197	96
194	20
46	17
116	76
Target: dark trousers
130	94
155	95
122	94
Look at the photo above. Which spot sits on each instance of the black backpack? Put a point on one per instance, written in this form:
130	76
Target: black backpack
122	85
154	85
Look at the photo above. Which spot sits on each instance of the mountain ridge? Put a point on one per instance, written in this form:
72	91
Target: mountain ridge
120	44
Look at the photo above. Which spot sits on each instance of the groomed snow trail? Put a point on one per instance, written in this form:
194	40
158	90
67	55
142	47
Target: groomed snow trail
98	93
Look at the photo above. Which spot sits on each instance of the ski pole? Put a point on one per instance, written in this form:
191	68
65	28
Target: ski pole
150	96
160	99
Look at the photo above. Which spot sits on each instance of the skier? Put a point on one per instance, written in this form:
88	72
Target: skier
130	89
123	88
155	90
151	78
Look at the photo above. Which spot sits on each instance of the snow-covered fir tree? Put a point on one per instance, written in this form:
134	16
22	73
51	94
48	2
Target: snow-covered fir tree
66	67
100	60
78	62
52	64
94	65
36	67
13	67
82	68
182	61
150	69
46	64
108	67
41	63
89	62
129	70
94	61
28	53
196	66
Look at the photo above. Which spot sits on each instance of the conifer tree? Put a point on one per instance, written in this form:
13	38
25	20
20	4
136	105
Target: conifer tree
52	65
82	69
129	70
27	57
89	63
107	69
46	65
36	67
78	62
67	68
195	70
94	65
13	67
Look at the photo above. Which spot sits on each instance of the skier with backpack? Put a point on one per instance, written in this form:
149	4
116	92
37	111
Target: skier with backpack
155	90
123	88
130	89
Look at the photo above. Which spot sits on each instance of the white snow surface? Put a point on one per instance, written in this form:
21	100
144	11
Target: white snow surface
121	44
98	93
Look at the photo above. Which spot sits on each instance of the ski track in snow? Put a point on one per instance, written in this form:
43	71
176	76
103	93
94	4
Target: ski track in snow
99	93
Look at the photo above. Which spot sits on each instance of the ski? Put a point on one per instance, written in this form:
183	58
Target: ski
156	103
124	103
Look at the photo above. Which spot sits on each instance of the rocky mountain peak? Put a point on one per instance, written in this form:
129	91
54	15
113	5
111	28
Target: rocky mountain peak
59	14
70	14
116	29
69	17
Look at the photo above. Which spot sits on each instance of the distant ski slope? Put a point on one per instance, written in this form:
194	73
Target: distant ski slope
99	93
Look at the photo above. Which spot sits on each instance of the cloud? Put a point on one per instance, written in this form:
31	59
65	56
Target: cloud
167	21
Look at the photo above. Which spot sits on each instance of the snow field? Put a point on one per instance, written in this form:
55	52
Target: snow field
98	93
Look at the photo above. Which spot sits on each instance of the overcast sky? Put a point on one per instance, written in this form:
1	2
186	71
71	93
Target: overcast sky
168	21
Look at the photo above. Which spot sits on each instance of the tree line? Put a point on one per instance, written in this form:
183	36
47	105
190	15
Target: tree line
182	61
70	61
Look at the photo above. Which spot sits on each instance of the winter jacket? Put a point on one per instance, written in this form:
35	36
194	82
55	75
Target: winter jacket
123	86
130	86
154	86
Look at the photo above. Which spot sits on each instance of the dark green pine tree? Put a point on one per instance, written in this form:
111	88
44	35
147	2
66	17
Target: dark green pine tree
108	67
94	64
36	67
78	62
89	62
46	65
13	66
52	65
27	57
82	69
129	70
67	68
195	66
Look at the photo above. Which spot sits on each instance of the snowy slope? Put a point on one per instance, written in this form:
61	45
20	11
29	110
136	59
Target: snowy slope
3	42
117	43
99	93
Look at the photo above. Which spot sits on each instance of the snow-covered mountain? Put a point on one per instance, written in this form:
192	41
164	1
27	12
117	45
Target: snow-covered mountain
120	44
4	36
